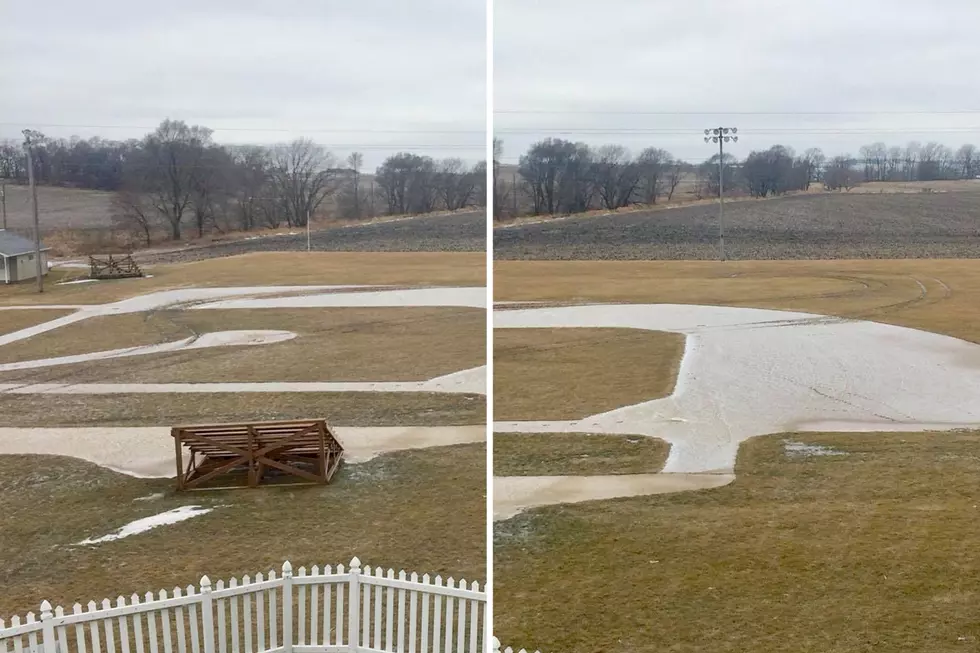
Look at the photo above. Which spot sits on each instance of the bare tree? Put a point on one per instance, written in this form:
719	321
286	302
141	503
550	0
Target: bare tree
966	158
653	163
355	161
501	191
841	174
454	184
407	183
911	160
616	176
249	183
167	168
301	176
813	161
675	174
132	213
209	188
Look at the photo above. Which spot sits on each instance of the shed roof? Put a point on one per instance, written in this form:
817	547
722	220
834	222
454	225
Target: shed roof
13	245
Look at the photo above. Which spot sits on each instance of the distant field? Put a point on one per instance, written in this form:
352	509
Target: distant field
58	208
456	232
809	226
78	222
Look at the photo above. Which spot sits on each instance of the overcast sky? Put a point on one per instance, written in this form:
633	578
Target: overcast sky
297	67
565	57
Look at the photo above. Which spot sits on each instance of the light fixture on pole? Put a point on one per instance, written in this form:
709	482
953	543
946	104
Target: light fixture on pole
721	135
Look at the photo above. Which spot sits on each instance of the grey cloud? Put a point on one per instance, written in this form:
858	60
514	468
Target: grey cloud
335	71
736	57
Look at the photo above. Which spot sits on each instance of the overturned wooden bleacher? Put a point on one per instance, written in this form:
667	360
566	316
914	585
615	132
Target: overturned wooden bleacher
113	267
304	449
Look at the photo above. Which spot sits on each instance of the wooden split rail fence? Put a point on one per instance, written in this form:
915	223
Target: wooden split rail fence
317	610
113	267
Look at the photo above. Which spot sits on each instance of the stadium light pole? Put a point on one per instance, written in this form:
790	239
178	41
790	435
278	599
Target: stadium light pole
721	135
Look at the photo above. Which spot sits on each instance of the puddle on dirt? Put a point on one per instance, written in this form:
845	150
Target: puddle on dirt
802	450
520	529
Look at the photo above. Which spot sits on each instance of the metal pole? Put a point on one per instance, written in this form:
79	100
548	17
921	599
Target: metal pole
308	248
3	203
37	227
721	196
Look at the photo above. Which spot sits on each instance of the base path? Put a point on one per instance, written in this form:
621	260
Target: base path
261	297
148	452
203	341
471	381
749	372
513	494
464	381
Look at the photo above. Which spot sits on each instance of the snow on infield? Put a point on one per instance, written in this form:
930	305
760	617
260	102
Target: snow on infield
148	451
204	341
174	516
749	372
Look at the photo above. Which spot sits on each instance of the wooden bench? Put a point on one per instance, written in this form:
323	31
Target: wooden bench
306	449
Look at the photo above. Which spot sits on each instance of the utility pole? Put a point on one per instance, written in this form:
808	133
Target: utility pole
37	228
308	248
721	135
3	204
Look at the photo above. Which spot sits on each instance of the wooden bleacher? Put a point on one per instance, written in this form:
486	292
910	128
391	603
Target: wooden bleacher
306	449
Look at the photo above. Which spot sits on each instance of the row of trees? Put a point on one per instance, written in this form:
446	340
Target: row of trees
559	176
177	178
917	162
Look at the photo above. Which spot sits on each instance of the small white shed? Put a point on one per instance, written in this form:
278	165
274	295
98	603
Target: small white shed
17	258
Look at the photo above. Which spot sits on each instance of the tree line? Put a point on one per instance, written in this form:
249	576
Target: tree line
177	178
560	176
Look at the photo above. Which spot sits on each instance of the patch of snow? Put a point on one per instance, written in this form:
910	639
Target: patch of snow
471	381
151	497
69	283
180	298
148	523
514	494
214	339
148	452
468	297
800	449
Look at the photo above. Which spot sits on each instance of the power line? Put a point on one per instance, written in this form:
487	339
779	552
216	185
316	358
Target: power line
761	131
345	130
737	113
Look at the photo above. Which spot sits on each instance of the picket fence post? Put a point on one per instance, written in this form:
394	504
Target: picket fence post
354	610
207	615
287	607
49	643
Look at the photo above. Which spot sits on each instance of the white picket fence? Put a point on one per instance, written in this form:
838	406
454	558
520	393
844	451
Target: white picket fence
314	611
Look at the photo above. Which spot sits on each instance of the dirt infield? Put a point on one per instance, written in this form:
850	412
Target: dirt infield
816	226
